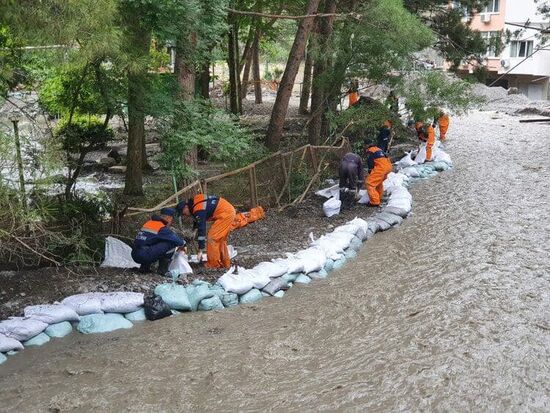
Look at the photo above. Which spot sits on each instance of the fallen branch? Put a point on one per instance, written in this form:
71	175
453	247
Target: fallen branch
290	17
34	251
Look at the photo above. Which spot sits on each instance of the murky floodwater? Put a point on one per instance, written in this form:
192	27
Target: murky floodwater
451	311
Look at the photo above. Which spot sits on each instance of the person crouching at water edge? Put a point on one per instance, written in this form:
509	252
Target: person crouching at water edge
379	167
205	208
351	176
426	133
157	242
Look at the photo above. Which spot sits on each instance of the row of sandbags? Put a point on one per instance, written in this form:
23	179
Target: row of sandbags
103	312
88	313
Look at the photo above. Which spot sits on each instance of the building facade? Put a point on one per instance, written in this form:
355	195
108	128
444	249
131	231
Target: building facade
524	60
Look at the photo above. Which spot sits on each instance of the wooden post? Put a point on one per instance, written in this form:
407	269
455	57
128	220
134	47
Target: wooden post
19	160
314	160
253	187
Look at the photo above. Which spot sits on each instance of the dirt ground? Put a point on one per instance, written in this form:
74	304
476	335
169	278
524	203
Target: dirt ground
271	237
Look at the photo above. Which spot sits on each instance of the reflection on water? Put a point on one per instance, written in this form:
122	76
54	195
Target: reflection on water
451	311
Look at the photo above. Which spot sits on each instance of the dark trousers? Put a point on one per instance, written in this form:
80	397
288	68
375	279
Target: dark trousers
149	254
348	175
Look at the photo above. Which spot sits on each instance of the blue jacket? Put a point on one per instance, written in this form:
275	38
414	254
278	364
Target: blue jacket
155	231
372	154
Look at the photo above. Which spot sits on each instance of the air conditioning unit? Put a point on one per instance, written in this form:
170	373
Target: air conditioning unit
485	17
505	63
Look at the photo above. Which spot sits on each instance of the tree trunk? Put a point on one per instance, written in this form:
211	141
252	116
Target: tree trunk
256	68
318	96
280	108
185	69
306	83
205	80
233	64
246	75
139	39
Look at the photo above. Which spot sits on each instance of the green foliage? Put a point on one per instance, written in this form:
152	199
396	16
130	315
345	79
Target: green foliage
83	133
9	56
198	123
427	92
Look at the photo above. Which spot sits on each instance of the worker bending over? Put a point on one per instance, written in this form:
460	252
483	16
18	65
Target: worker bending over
156	242
205	208
426	133
352	176
379	167
443	123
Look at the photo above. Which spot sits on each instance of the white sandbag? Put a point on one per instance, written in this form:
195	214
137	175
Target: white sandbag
84	304
330	192
400	193
363	228
313	258
9	344
405	161
235	283
330	249
410	171
395	179
118	254
400	203
259	279
121	302
271	269
349	227
363	197
51	313
332	207
22	328
292	264
179	264
232	251
102	323
340	239
421	155
442	156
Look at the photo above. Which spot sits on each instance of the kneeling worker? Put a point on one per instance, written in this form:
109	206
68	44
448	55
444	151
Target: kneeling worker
156	242
379	167
205	208
351	174
426	134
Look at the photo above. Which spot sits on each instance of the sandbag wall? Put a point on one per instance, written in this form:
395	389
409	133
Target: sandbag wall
104	312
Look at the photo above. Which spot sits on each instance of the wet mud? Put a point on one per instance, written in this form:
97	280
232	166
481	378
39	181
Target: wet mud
448	312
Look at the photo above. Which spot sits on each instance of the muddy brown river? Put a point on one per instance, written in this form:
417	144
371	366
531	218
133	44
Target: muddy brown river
448	312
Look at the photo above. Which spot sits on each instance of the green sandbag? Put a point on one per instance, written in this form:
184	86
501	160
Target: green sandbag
356	244
318	275
329	265
38	340
251	297
211	303
227	299
2	358
102	323
59	330
198	292
138	315
279	294
303	279
290	277
350	253
174	295
339	263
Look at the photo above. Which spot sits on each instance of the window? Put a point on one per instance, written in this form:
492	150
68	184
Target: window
492	40
521	48
492	7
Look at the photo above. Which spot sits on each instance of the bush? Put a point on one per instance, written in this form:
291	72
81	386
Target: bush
86	133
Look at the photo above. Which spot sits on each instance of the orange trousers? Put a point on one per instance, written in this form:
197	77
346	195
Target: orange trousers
430	143
216	246
353	97
443	132
375	180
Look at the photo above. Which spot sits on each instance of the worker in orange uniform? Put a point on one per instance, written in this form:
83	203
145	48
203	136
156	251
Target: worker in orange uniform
379	166
353	93
443	122
205	208
426	134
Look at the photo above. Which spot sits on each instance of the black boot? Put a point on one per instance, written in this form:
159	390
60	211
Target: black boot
145	268
163	266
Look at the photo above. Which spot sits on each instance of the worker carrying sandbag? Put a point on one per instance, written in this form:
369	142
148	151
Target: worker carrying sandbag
442	121
157	242
379	167
205	208
351	175
353	92
384	135
426	133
